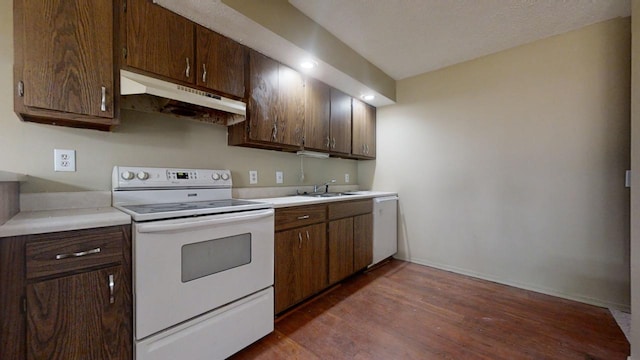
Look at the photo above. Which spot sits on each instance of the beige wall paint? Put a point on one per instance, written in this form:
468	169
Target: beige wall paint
141	140
635	180
511	167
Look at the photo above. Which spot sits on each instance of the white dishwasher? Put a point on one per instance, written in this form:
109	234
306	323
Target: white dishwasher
385	227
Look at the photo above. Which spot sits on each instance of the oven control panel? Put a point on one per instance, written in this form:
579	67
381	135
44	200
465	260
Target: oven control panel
146	177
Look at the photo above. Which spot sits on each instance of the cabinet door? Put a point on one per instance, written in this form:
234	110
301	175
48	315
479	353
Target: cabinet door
364	130
314	259
340	249
290	107
362	241
300	264
288	269
73	317
221	62
159	41
68	55
340	122
317	115
263	98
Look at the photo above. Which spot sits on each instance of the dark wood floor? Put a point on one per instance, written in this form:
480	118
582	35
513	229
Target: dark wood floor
408	311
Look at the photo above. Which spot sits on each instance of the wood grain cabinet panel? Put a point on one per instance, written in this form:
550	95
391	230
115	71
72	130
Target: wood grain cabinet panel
78	317
340	122
64	62
221	63
300	264
340	249
297	216
291	109
81	310
362	241
364	130
275	107
263	98
317	125
159	41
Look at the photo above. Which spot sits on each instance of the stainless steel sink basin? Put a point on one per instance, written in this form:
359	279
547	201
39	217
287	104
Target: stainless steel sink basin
328	195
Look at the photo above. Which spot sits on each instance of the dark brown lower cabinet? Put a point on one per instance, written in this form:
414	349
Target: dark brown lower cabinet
362	241
310	257
78	317
340	249
70	306
301	262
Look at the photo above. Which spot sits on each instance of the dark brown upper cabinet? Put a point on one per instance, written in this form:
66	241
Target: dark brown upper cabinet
275	107
364	130
340	122
317	128
221	63
64	62
159	41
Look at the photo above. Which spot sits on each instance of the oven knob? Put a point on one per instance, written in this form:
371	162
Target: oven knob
215	176
225	176
142	175
127	175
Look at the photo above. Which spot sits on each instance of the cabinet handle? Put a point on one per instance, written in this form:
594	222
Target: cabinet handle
333	143
204	73
299	240
78	254
303	217
112	285
20	88
274	132
366	149
308	235
328	142
187	71
103	101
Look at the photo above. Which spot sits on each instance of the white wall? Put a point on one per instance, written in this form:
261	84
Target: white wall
511	167
141	140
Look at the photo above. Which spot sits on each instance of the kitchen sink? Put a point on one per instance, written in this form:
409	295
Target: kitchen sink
328	194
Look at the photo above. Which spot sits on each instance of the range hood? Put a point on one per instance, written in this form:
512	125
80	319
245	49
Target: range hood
144	93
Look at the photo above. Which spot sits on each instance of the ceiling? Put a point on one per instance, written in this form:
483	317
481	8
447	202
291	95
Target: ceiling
410	37
402	38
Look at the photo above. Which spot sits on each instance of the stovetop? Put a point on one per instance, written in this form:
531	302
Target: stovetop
146	212
166	193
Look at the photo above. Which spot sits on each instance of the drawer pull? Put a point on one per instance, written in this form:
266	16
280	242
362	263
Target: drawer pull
78	254
112	285
303	217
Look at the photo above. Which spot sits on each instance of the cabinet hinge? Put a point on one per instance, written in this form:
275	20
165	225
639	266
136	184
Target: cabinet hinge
20	88
24	305
124	53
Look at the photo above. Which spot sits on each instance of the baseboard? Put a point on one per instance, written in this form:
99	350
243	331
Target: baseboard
552	292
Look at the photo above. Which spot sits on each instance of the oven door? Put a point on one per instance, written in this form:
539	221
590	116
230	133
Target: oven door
186	267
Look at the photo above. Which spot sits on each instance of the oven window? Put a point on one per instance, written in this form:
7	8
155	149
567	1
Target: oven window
213	256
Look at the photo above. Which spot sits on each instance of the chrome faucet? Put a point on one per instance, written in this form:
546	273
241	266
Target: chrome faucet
326	185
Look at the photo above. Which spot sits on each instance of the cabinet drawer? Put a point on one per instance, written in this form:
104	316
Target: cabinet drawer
344	209
58	253
287	218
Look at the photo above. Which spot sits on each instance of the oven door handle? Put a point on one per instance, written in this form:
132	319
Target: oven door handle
193	223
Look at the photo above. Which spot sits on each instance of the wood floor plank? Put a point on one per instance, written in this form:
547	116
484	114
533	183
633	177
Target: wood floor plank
408	311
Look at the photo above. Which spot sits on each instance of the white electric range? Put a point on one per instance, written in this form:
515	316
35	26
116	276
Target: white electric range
203	262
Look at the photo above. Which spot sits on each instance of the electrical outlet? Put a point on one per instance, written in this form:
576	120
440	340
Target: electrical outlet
279	177
346	178
64	160
253	176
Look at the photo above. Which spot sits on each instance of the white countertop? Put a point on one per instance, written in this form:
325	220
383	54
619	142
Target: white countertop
9	176
287	201
39	222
